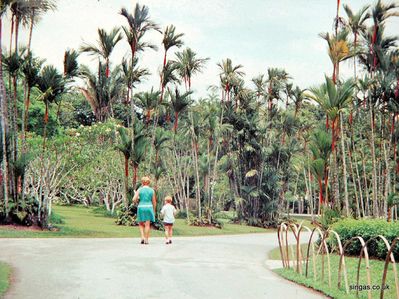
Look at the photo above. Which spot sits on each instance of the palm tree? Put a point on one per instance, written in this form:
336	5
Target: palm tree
36	9
320	146
51	85
139	23
168	75
380	13
260	83
4	5
171	39
229	75
356	23
106	44
333	100
71	66
19	13
179	103
299	96
277	79
101	92
148	101
161	136
339	49
132	76
31	70
13	64
125	148
189	65
140	149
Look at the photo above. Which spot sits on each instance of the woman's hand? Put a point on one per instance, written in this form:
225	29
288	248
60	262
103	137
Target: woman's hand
135	197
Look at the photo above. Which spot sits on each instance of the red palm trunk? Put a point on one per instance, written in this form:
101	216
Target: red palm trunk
333	135
46	114
135	169
334	76
126	167
176	121
321	199
162	91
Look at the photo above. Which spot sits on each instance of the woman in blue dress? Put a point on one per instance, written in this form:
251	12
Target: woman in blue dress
146	208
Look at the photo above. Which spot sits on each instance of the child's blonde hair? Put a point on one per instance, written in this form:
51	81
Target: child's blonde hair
168	199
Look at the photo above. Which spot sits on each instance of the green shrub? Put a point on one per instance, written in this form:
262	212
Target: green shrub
229	215
102	211
195	221
367	229
182	214
128	217
329	217
56	218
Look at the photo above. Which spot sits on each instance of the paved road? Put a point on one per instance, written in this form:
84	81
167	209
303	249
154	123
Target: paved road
195	267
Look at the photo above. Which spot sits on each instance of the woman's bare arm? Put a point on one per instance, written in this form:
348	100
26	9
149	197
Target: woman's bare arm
154	202
136	197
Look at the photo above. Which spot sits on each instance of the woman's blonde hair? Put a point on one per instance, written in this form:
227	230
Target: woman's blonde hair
145	180
168	199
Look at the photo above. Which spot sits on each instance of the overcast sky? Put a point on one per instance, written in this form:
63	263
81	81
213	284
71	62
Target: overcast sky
255	33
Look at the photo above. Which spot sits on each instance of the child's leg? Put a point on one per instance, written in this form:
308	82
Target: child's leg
166	232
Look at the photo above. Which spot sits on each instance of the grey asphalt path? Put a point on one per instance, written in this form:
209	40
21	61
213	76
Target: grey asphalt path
192	267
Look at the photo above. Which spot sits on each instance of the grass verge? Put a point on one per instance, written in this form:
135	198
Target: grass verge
81	222
317	283
5	272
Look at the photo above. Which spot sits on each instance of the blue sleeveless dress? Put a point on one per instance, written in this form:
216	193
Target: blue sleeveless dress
145	209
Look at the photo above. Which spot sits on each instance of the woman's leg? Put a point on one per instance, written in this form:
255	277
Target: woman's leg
170	231
141	227
147	230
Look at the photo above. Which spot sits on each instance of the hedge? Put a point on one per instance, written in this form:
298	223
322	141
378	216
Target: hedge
367	229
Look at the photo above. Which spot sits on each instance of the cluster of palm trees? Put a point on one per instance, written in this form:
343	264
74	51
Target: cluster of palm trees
251	149
360	114
22	69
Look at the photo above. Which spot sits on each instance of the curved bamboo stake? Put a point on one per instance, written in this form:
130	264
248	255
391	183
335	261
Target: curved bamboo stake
286	246
279	228
341	253
296	231
309	231
384	276
366	257
323	242
308	249
390	255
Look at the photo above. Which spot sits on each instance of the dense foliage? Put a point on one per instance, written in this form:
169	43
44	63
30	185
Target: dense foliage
85	136
367	229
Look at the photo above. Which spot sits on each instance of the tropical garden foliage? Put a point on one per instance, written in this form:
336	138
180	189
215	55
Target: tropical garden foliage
257	146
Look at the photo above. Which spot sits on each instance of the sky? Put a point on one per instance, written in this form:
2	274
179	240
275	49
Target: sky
257	34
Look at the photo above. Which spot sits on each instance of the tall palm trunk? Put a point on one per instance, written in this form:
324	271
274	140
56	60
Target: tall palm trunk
135	170
344	169
374	165
4	123
126	182
32	19
15	136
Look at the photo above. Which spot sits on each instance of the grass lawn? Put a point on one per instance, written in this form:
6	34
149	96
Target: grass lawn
376	267
85	223
4	278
